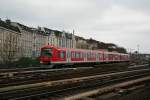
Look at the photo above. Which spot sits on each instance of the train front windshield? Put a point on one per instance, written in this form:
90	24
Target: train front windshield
47	52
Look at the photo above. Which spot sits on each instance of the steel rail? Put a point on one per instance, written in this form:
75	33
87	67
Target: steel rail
12	72
106	88
72	88
66	81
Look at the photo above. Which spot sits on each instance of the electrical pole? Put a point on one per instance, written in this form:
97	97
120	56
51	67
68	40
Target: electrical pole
138	54
138	47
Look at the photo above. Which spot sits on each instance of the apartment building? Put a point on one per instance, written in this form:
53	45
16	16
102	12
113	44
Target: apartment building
81	43
60	39
30	40
26	39
39	39
9	42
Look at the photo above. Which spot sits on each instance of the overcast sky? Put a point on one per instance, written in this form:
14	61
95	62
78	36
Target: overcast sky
123	22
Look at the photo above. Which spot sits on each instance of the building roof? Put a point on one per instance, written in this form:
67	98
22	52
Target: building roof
9	26
26	28
79	38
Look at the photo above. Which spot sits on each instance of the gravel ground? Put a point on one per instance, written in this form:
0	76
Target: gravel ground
142	94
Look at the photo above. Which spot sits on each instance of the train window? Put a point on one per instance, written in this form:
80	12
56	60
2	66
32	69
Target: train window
73	55
84	54
88	55
97	56
110	56
105	56
94	55
100	55
116	56
77	55
81	55
47	52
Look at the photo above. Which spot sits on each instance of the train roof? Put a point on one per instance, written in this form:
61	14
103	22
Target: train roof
100	50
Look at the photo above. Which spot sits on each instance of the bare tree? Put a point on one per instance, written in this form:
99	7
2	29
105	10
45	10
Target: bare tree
10	48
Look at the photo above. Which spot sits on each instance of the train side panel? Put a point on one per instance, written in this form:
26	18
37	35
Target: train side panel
53	55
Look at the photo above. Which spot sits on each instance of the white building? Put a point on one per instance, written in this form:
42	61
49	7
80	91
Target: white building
81	43
32	39
39	39
9	42
60	39
26	41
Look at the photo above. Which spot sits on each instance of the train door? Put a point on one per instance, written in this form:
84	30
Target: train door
68	56
85	56
97	57
105	57
62	55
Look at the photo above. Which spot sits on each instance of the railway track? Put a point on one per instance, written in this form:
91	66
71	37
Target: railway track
15	71
116	91
59	88
11	70
26	77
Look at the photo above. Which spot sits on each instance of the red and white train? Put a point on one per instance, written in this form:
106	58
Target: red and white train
62	56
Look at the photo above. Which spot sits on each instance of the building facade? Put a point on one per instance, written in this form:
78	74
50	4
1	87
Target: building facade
60	39
39	39
26	39
81	43
30	40
9	42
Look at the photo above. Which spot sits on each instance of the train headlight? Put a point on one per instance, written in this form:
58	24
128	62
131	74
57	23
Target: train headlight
41	62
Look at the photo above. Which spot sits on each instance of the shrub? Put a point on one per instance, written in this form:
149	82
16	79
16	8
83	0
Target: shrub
27	62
